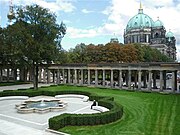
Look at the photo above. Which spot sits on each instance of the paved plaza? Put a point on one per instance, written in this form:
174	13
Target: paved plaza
22	86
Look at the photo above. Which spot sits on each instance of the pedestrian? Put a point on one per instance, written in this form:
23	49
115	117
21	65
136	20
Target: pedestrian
93	104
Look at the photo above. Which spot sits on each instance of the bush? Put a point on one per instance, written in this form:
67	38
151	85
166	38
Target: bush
115	113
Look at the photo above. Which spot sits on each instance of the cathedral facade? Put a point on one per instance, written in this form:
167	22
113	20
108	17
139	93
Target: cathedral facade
142	29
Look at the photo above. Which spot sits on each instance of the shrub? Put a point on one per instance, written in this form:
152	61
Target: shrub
115	113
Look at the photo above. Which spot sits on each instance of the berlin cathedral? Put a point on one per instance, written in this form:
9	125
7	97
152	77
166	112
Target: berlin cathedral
142	29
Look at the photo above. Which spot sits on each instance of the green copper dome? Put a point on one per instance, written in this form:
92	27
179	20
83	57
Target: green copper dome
169	34
158	23
139	21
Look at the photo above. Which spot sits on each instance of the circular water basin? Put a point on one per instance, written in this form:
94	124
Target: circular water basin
42	105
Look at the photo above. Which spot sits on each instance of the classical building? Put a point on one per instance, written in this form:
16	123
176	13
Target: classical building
142	29
114	39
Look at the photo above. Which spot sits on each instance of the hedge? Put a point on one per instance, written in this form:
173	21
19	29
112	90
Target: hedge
115	113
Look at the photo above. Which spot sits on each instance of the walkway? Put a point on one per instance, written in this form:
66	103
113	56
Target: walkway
9	128
22	86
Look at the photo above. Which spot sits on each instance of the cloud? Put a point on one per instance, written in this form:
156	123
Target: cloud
81	33
54	6
67	21
65	5
86	11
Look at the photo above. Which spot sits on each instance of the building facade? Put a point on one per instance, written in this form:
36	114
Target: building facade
142	29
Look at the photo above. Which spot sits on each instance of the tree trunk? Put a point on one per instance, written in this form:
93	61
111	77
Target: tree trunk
35	75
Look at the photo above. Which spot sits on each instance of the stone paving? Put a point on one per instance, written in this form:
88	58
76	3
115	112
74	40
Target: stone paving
24	86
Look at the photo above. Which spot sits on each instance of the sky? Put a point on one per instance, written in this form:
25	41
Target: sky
97	21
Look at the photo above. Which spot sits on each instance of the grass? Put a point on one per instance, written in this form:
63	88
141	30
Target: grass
144	114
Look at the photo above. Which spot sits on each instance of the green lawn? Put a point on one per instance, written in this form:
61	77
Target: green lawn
144	114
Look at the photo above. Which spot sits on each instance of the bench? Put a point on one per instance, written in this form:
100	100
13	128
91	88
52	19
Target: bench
83	97
100	108
14	98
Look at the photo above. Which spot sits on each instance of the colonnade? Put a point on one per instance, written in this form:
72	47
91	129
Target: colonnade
118	78
138	76
26	75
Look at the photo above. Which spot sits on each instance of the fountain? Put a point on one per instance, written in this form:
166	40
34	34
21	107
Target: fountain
41	106
42	103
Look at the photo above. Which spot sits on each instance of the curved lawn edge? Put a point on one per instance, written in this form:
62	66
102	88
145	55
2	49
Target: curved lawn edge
115	113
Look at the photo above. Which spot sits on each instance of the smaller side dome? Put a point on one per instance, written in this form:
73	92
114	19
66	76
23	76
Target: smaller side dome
169	34
158	23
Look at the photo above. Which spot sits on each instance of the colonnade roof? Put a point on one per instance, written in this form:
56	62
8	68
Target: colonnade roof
132	66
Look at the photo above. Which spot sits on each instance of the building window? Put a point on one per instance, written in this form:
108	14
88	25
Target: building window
156	35
135	39
147	24
135	24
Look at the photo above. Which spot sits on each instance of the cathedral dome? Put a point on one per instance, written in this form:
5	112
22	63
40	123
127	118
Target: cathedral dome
139	21
169	34
158	23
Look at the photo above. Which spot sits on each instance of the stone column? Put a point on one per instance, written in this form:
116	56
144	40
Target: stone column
89	77
75	76
144	79
161	80
63	75
40	72
139	79
129	79
69	76
135	78
96	77
48	76
15	74
150	80
164	80
173	81
120	79
154	80
7	74
147	38
82	75
44	76
58	77
104	78
126	78
54	76
112	80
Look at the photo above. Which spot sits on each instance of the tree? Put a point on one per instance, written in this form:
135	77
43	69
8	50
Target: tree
113	52
1	46
39	36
